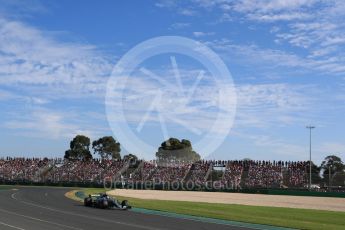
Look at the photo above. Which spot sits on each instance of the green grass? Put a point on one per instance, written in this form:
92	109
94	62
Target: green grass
6	187
284	217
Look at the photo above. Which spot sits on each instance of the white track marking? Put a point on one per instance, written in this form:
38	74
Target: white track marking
11	226
84	216
40	220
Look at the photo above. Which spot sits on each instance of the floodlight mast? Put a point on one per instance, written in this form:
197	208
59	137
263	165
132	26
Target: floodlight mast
310	127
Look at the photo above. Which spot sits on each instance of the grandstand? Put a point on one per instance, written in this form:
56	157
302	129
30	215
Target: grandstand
230	174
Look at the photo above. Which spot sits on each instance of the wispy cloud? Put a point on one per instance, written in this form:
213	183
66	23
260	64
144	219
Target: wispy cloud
187	12
331	148
37	70
266	105
202	34
31	57
46	123
258	105
269	6
22	9
279	58
279	17
316	26
180	25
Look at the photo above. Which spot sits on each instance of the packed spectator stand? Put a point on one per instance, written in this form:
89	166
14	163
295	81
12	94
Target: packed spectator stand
171	172
199	171
242	174
233	174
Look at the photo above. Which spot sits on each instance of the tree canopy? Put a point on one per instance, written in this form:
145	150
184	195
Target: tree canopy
130	157
315	173
107	147
334	162
79	149
176	150
336	172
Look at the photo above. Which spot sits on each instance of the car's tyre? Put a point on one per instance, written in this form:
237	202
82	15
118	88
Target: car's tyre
125	203
86	202
105	204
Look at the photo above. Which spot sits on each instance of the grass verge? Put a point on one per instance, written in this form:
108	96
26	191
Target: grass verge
6	187
284	217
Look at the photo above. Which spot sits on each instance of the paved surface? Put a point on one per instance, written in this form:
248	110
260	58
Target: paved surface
48	208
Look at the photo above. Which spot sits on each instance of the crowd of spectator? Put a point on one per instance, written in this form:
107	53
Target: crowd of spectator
264	174
169	173
198	171
21	169
233	174
144	171
94	170
297	174
247	173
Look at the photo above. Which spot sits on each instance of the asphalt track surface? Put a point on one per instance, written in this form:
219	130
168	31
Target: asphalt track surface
31	208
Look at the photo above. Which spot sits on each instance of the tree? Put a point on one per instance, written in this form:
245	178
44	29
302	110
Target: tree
79	149
333	167
107	147
315	173
176	150
247	159
130	157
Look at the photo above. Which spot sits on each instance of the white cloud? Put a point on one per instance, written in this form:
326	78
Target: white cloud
336	40
329	148
187	12
266	105
265	10
198	110
258	105
39	71
277	58
180	25
46	123
279	17
38	101
6	95
31	57
202	34
165	3
310	26
20	9
271	5
317	26
41	123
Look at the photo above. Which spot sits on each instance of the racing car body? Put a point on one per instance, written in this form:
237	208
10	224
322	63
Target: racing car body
105	202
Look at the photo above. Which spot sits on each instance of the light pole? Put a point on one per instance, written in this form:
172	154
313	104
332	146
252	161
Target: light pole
310	127
329	177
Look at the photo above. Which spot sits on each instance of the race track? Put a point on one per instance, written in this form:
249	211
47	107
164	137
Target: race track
30	208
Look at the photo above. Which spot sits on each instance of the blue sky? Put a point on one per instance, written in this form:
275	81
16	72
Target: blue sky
286	58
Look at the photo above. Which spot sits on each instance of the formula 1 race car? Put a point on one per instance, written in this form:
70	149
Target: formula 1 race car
104	201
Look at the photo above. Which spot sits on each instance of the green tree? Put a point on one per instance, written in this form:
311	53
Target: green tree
79	149
176	150
315	173
130	157
333	167
107	147
246	159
